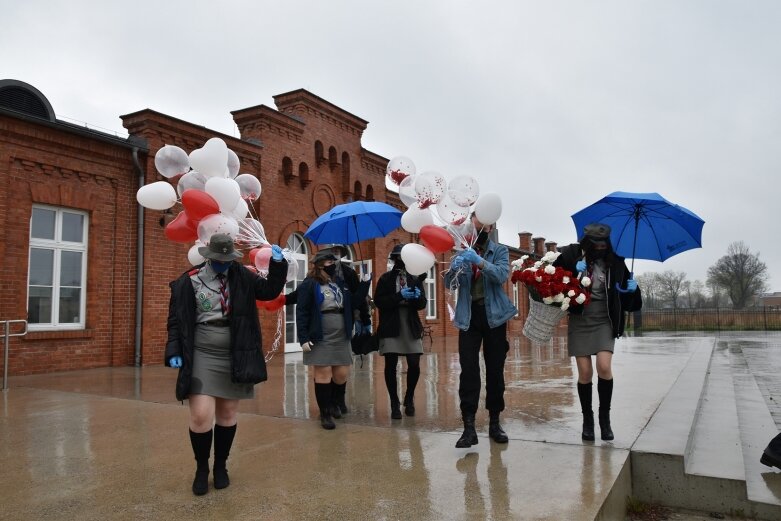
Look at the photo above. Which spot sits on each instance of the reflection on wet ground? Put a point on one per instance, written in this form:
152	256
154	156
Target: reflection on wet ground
112	443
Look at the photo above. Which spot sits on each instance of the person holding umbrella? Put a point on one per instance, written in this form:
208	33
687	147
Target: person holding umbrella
399	297
214	340
324	321
593	328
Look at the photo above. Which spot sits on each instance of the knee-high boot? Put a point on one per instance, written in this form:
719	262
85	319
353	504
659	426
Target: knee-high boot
202	448
390	383
413	375
605	390
338	392
223	440
584	393
324	402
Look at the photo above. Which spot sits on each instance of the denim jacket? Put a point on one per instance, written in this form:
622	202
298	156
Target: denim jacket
498	307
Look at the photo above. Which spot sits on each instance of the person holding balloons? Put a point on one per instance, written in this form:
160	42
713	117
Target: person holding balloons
324	321
481	315
398	297
213	339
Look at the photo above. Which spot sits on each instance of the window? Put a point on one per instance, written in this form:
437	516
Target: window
297	245
431	292
515	299
56	291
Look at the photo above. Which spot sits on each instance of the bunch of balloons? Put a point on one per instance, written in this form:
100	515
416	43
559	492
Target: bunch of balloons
438	211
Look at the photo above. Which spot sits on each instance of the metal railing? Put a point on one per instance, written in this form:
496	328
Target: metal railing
7	330
707	319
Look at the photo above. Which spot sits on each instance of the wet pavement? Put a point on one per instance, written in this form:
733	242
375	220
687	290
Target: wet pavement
112	443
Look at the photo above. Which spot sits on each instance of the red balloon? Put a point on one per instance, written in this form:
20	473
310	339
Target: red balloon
181	229
262	259
435	238
198	205
273	305
252	253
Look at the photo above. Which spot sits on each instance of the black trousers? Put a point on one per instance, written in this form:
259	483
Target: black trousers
495	347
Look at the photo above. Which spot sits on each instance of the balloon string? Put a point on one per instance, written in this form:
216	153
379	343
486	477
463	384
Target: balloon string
277	335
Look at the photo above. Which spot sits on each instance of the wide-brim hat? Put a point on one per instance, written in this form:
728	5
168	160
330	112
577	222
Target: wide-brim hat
220	248
396	251
324	255
597	232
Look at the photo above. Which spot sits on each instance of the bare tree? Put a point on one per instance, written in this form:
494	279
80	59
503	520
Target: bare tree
671	286
696	292
650	288
740	273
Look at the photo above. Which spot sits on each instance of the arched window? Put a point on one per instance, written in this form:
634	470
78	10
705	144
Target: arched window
303	174
357	191
298	246
345	163
369	193
333	159
287	167
319	153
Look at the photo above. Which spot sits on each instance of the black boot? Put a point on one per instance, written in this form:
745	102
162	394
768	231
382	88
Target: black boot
469	437
336	412
323	396
391	361
202	448
223	440
409	403
413	375
772	454
338	397
495	431
605	390
584	393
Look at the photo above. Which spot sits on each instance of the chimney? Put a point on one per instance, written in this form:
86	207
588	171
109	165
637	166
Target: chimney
539	246
525	241
550	246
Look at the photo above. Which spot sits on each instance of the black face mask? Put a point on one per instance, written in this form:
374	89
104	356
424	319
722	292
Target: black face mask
482	238
330	270
398	264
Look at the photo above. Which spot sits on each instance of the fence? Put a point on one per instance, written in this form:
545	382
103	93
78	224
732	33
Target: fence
707	319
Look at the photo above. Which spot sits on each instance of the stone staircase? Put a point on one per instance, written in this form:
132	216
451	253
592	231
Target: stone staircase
701	448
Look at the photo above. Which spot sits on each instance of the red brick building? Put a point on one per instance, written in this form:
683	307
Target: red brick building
89	268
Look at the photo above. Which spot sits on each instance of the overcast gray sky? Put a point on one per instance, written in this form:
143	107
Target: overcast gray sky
553	104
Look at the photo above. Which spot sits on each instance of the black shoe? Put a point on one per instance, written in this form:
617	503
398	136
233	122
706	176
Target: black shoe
221	479
409	409
343	408
604	426
327	422
469	437
769	460
395	412
336	412
588	427
496	433
201	482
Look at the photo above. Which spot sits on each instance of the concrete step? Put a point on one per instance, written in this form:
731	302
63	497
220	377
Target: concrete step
757	428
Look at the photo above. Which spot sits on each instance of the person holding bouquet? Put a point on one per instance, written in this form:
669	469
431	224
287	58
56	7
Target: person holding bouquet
399	297
482	312
593	328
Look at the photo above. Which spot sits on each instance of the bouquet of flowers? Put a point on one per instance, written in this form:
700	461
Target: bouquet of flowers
551	292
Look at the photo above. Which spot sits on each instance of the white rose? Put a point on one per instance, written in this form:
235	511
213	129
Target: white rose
547	300
524	257
565	304
580	299
565	280
559	297
538	279
549	257
585	282
571	293
550	270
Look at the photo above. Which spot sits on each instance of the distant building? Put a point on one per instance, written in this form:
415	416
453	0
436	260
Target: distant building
771	300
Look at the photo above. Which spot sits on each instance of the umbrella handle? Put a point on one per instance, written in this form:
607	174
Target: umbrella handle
618	288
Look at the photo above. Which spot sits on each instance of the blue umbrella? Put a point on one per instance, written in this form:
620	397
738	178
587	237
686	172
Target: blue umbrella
354	222
644	226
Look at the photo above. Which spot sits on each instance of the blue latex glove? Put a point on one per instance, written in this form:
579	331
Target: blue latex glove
580	267
276	253
357	327
417	293
367	329
175	362
631	285
456	263
408	293
471	255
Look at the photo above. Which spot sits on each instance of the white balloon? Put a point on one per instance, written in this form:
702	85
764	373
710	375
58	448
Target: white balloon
240	211
249	186
466	189
217	223
450	211
488	208
417	258
171	161
233	164
399	168
192	180
225	191
211	159
292	264
429	188
414	219
407	191
193	256
156	196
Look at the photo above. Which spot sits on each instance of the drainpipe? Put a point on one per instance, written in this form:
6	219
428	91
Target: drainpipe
139	262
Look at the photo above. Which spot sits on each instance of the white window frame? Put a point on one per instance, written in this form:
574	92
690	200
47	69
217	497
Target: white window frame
431	292
291	344
58	246
516	300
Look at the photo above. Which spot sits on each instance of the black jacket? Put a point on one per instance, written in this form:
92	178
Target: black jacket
617	303
247	362
309	319
388	300
352	281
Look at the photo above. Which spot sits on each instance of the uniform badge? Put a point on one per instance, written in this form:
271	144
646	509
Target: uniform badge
203	302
